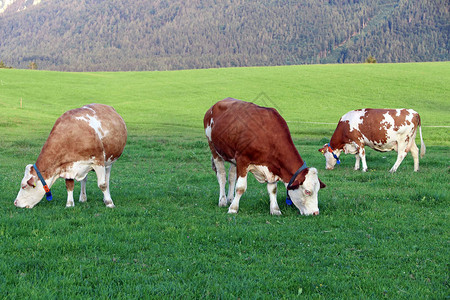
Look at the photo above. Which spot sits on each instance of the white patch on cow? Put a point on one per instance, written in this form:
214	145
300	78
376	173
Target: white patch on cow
90	108
241	187
110	160
208	129
410	115
262	173
388	120
95	124
354	118
78	170
350	148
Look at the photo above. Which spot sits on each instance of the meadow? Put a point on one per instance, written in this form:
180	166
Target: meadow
378	235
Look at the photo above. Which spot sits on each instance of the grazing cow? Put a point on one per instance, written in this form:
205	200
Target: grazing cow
257	139
88	138
380	129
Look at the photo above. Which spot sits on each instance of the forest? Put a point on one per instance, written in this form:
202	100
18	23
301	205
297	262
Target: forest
118	35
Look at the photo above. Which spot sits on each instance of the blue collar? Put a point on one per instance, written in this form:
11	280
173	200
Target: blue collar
334	155
48	193
288	199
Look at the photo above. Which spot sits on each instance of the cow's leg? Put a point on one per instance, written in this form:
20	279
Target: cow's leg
241	186
362	155
358	159
401	154
219	167
103	183
231	183
415	155
70	184
107	195
83	196
274	208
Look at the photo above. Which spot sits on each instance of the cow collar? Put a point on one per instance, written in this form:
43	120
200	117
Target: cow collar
288	199
334	155
48	193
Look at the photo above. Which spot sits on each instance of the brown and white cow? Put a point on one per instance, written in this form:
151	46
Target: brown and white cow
88	138
380	129
257	139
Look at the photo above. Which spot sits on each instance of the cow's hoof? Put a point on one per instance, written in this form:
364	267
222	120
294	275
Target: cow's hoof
83	198
275	212
223	202
109	203
232	211
70	204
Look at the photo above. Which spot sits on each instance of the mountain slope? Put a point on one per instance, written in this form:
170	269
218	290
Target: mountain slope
12	6
90	35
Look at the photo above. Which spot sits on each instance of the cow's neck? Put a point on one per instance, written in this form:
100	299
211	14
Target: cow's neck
335	144
290	163
47	164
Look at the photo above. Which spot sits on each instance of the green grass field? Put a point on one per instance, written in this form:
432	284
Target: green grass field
378	235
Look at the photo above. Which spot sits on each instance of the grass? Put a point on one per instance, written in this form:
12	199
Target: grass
379	235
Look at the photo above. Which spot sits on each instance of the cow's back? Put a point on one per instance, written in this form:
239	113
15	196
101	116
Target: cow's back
94	131
378	128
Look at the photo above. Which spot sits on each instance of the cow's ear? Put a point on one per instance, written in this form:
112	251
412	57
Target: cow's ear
322	185
299	180
295	185
28	179
31	181
322	150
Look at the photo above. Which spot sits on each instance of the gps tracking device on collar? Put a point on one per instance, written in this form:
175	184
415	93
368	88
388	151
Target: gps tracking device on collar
288	199
48	193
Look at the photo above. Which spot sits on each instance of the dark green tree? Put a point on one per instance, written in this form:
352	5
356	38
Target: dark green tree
371	60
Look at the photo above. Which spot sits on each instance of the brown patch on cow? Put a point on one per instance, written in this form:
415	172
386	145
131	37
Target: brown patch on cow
70	184
373	126
73	140
103	187
240	191
400	120
274	190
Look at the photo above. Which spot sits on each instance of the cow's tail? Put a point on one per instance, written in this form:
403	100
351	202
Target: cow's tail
423	149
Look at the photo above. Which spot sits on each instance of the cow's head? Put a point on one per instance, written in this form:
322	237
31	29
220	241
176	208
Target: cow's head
31	189
331	156
304	192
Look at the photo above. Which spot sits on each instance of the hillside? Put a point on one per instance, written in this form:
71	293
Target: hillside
91	35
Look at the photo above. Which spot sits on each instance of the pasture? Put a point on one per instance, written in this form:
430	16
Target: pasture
378	235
